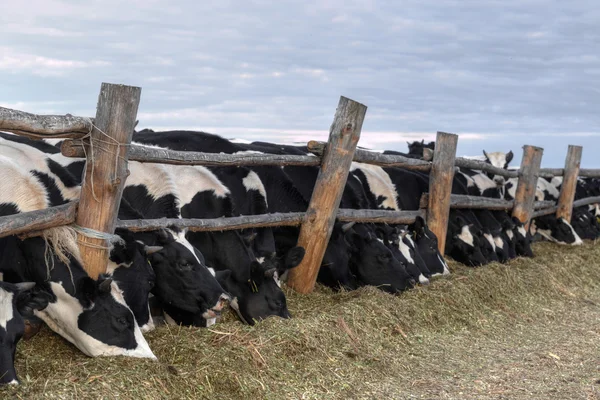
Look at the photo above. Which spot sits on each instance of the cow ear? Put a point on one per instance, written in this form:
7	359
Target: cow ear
294	257
427	154
222	277
509	157
87	290
105	285
163	236
249	237
28	301
422	141
257	275
24	286
152	249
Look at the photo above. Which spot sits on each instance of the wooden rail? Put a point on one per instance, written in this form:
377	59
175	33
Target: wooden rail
483	166
38	220
74	148
44	126
458	201
586	201
268	220
371	157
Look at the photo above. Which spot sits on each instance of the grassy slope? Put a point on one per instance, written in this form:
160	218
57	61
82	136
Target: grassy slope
527	330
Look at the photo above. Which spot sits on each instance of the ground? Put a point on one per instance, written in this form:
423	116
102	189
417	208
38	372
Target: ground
526	330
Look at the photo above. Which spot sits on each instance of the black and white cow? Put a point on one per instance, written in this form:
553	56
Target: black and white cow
16	301
92	315
29	260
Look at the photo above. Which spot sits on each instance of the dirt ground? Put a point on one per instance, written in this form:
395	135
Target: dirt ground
527	330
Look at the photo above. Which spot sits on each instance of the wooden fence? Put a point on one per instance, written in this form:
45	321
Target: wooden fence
106	143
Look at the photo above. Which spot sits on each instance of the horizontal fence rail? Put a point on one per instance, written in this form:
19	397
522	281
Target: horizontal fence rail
267	220
44	126
373	158
550	172
586	201
459	201
147	154
38	220
483	166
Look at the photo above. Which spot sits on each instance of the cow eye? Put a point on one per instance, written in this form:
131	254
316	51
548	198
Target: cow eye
122	320
383	257
185	265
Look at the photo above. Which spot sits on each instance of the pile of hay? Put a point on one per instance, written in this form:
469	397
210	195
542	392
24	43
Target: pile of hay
338	345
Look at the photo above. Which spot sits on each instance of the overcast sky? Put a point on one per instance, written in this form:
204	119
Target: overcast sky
499	73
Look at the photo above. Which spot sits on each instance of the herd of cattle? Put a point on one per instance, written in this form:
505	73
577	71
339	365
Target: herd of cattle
190	277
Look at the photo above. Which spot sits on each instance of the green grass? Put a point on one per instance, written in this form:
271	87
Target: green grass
528	329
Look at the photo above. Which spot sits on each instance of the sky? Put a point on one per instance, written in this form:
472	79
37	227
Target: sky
501	74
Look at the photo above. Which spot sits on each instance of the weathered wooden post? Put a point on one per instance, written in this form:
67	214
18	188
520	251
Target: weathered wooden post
440	186
569	183
105	171
327	194
527	186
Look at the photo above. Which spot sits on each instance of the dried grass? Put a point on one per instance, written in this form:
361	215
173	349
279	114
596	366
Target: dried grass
440	341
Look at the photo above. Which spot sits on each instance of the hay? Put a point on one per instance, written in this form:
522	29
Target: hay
361	344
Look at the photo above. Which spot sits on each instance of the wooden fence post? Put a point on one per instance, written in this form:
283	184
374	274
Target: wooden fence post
440	186
327	194
105	171
569	183
527	186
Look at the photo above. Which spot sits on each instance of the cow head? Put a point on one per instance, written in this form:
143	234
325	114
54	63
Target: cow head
260	295
188	289
95	318
463	244
418	148
557	230
393	237
522	238
585	224
425	242
335	269
16	301
131	270
91	314
373	263
499	160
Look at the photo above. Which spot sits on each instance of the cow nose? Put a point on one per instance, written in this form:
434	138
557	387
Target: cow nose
412	282
224	299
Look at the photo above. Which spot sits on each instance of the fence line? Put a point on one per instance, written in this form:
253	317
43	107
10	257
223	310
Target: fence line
109	134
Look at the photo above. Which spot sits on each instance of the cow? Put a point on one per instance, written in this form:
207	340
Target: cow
91	314
419	148
16	301
186	288
499	160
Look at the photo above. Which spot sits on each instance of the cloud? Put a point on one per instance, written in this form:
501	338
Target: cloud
16	62
497	72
